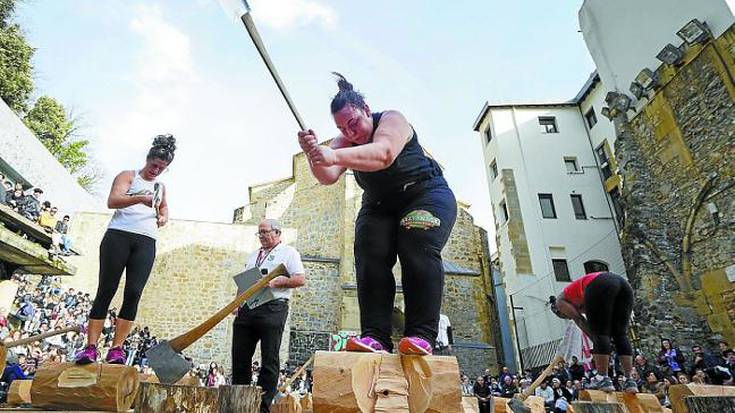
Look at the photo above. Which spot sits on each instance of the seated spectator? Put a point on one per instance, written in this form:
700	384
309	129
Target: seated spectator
730	365
494	387
47	217
482	393
670	357
30	206
561	405
570	389
504	371
545	392
466	386
558	390
644	367
14	199
699	377
62	227
576	370
724	346
507	388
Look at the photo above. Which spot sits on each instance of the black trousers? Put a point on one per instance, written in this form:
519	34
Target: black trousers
608	304
413	227
121	250
265	324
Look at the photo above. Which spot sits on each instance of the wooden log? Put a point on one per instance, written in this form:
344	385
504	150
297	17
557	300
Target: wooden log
106	387
635	403
19	393
307	403
710	404
287	404
157	397
352	382
469	404
187	380
678	392
535	403
598	407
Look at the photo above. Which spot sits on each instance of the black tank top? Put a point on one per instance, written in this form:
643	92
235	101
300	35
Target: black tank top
411	167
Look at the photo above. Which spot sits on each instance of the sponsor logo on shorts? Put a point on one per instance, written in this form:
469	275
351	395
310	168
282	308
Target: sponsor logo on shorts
420	219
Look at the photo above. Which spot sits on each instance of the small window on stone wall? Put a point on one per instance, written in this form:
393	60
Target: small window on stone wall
561	270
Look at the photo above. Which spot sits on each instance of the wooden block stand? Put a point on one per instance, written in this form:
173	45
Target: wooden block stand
535	403
678	392
157	398
710	404
598	407
634	403
370	382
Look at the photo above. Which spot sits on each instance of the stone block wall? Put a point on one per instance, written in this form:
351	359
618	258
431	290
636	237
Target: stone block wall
676	155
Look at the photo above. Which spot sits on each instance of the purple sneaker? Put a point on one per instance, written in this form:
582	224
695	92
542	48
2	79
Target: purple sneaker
116	355
415	346
87	355
364	344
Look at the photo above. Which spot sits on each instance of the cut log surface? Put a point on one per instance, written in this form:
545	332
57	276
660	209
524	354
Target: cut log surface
598	407
353	382
19	393
469	404
157	397
710	404
105	387
187	380
635	403
678	392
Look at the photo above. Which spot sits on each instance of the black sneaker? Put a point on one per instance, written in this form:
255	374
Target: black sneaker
604	384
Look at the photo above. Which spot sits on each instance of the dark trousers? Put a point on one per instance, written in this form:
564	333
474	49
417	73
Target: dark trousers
265	324
121	250
403	227
608	304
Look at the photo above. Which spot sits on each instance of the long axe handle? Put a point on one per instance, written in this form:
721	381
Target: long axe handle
40	337
253	32
529	391
185	340
296	374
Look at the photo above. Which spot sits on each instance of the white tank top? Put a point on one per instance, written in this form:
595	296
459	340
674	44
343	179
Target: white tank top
138	218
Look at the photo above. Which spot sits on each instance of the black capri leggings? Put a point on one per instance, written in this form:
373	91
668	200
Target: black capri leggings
608	303
135	254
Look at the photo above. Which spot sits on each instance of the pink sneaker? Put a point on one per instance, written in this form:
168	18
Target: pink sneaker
414	346
364	344
87	355
116	355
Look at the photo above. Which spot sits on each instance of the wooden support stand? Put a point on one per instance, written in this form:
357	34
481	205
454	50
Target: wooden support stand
710	404
469	404
535	403
106	387
19	393
635	403
678	392
598	407
157	397
287	404
370	382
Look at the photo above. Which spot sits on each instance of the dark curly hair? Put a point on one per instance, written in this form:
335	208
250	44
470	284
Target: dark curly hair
347	95
163	148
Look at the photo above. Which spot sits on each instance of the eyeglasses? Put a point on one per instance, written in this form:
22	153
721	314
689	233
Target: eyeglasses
262	232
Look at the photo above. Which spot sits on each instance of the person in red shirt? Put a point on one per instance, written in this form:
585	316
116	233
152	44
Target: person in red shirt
600	304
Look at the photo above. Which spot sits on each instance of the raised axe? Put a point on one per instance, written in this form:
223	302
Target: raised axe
38	337
165	358
572	337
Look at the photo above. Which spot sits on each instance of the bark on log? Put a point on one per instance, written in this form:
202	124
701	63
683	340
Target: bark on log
678	392
635	403
710	404
19	392
348	382
157	397
598	407
106	387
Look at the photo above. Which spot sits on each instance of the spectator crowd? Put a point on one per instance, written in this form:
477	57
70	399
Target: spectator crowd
669	366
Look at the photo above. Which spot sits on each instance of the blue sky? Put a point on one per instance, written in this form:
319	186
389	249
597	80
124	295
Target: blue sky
132	69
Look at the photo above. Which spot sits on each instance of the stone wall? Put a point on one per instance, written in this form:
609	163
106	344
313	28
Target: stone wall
677	158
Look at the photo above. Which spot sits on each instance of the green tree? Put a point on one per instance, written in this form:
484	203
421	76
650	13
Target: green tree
16	82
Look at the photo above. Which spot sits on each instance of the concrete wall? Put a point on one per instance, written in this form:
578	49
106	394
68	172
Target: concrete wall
624	36
23	157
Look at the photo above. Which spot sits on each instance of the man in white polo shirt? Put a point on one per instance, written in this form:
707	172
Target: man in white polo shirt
265	322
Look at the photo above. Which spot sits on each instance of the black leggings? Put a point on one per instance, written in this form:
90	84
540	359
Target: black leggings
121	250
608	303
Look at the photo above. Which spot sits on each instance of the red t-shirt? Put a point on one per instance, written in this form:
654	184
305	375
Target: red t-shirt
574	292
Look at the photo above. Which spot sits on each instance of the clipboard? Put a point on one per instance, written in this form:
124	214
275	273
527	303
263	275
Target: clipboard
246	279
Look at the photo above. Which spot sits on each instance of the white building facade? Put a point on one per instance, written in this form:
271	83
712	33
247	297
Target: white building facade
554	221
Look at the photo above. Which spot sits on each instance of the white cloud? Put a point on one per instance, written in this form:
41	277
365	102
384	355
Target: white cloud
281	14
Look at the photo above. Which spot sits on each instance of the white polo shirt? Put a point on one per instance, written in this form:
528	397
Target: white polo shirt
280	254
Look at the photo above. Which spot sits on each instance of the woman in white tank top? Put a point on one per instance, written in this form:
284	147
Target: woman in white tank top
129	244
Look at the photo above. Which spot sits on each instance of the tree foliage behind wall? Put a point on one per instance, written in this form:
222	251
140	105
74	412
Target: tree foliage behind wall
16	82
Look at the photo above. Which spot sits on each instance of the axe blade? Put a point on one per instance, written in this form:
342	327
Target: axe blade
169	365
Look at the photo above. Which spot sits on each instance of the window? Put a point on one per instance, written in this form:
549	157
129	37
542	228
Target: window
561	270
604	161
578	207
493	170
547	205
549	124
571	163
594	266
503	212
617	206
590	118
488	134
